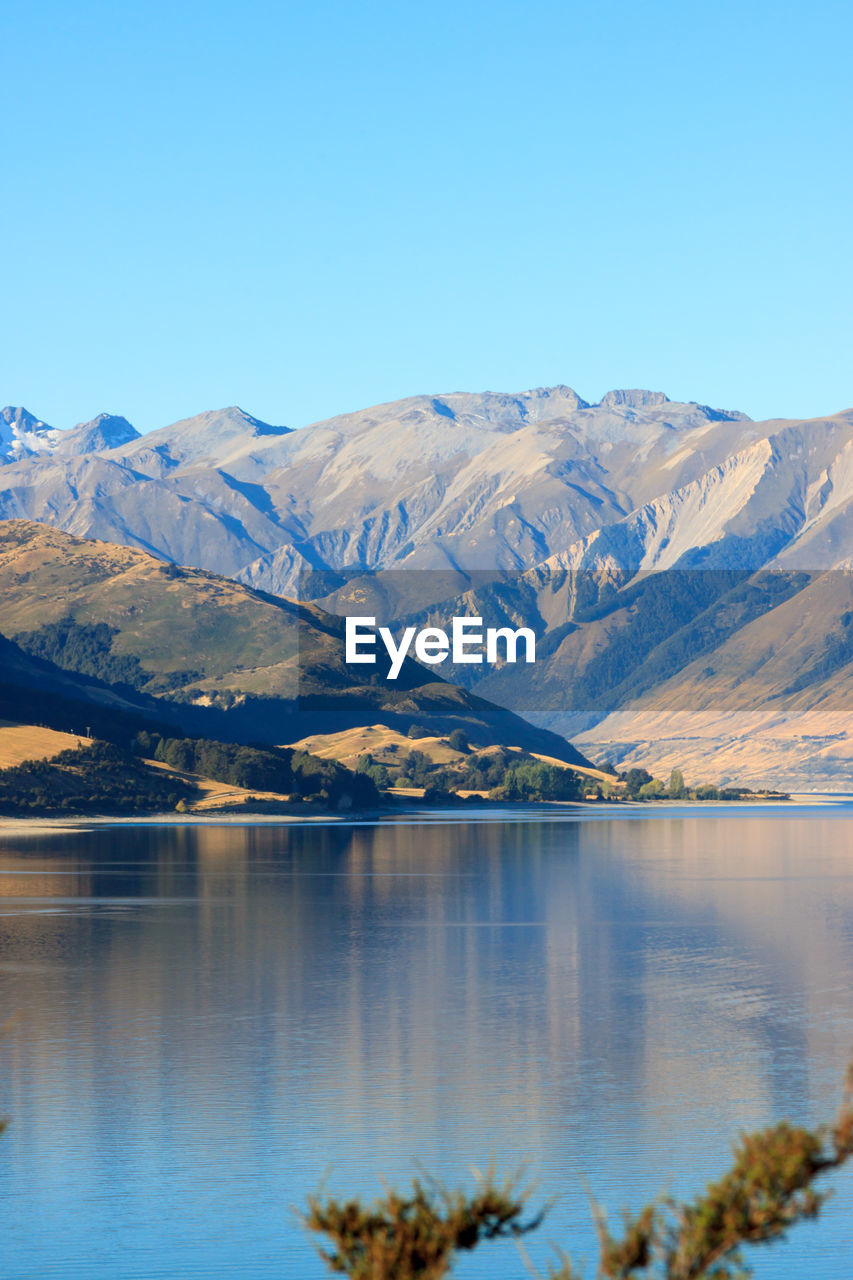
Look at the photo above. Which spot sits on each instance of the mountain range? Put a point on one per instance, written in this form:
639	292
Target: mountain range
579	514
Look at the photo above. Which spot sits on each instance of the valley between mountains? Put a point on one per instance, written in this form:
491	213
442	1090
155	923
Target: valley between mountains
688	571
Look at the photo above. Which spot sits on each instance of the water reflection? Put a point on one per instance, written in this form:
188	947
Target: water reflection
207	1018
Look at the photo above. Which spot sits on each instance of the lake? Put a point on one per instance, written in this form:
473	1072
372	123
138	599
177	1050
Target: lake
205	1021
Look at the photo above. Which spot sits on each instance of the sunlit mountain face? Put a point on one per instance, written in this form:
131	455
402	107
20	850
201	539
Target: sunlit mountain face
572	506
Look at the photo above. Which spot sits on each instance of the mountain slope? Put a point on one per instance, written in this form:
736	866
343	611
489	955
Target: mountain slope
737	676
209	654
487	480
207	439
539	509
785	500
471	481
23	436
772	702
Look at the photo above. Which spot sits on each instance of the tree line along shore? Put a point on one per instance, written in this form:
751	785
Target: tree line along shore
157	773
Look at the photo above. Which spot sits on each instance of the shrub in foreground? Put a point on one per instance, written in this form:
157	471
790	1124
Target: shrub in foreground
416	1234
769	1187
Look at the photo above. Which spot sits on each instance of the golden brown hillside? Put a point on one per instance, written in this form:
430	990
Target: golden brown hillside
271	669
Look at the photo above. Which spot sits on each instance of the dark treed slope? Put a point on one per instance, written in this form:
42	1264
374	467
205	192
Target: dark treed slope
208	654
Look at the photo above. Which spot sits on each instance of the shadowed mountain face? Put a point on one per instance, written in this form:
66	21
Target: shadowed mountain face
547	489
117	629
735	676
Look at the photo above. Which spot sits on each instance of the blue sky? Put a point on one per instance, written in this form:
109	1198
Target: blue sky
308	209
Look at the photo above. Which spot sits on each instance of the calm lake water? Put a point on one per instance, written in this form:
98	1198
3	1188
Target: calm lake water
206	1021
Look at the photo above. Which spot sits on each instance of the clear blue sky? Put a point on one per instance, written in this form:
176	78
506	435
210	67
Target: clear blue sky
309	208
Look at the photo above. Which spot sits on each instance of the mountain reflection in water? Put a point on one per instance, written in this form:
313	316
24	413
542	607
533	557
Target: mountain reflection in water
208	1019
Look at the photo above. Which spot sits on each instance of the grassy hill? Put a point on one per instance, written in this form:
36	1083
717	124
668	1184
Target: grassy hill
114	631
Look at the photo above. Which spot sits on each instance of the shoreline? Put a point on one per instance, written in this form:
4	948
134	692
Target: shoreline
36	826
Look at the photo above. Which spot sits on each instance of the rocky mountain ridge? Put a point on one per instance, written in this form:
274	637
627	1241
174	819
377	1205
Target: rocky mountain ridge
563	501
23	436
487	480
